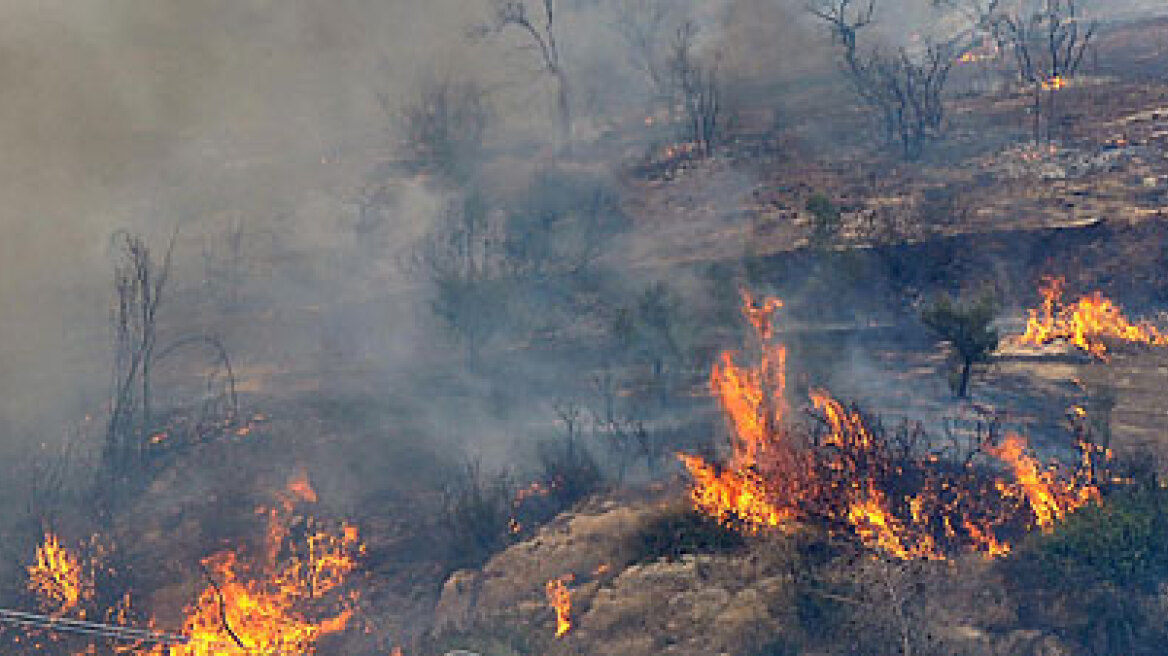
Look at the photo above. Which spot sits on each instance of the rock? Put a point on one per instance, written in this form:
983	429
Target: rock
457	606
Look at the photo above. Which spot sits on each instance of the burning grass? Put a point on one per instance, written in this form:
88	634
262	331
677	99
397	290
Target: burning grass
281	598
59	579
1086	323
891	490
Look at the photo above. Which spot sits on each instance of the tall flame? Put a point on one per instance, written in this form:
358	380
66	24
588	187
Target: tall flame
560	599
1049	499
1084	323
897	499
266	606
58	578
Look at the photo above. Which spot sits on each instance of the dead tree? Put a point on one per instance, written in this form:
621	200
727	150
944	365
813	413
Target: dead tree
904	87
224	266
1048	40
695	85
139	281
641	23
443	127
514	13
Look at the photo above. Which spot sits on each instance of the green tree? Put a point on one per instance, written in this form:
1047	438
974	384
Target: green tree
965	327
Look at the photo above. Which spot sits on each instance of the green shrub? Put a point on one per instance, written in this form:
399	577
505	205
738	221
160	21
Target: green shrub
967	328
681	531
825	217
1123	541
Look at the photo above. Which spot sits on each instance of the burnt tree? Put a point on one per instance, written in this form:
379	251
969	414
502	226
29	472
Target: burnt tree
443	127
541	31
904	87
1047	40
696	90
135	430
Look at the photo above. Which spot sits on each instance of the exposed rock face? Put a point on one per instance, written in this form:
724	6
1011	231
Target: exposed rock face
694	606
590	545
745	603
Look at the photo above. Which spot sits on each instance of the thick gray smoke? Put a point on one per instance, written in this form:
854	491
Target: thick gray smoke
152	114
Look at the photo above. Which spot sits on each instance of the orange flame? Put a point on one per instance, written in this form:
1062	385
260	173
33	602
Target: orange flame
300	488
734	495
1084	323
264	607
58	578
908	504
1049	499
560	599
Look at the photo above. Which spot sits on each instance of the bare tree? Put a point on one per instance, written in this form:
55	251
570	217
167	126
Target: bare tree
642	23
696	88
904	87
1048	40
542	33
224	266
139	281
443	127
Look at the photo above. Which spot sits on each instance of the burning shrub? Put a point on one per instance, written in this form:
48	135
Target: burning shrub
1086	323
890	490
569	472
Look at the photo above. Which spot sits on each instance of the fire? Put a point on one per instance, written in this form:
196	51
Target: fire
1055	83
1048	498
734	495
878	528
905	501
1086	323
753	398
58	578
301	488
560	600
264	606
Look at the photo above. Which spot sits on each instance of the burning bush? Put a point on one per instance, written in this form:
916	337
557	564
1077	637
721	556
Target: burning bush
283	597
892	490
1087	323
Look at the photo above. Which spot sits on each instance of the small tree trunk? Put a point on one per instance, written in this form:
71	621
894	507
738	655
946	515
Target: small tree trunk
563	108
963	387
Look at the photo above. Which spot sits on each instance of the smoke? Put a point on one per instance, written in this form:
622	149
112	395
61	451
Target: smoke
156	114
